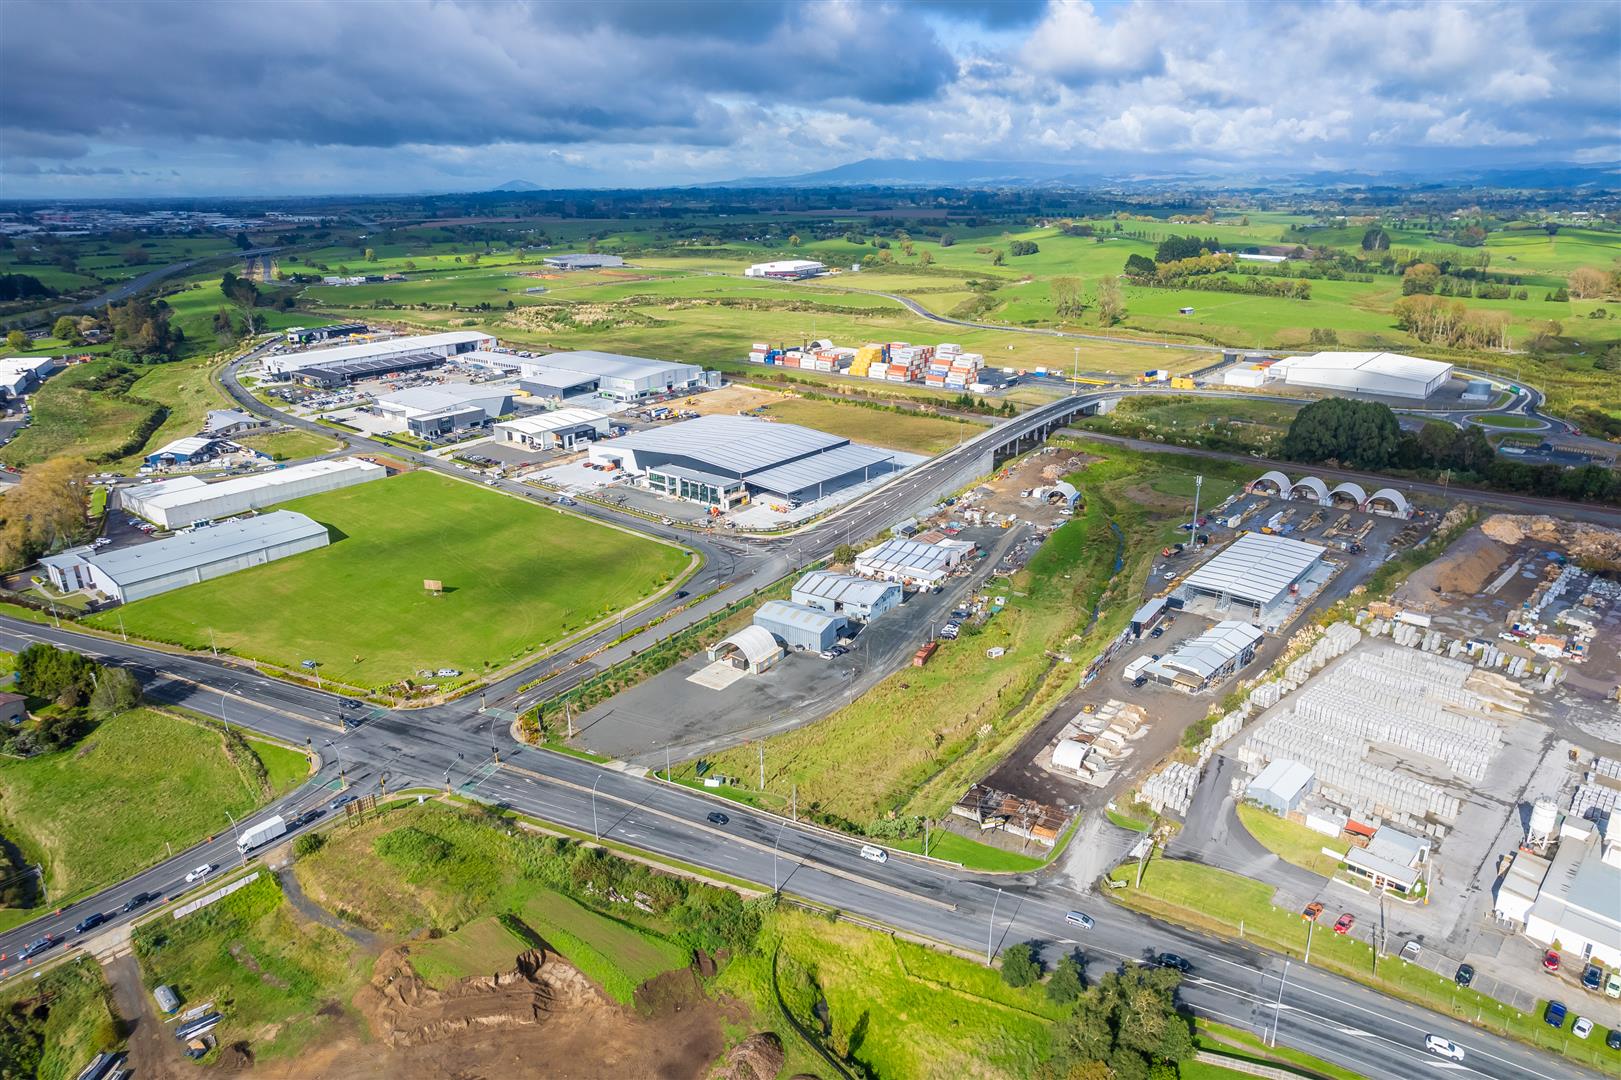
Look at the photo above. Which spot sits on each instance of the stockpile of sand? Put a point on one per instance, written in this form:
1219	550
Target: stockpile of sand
1467	568
1588	544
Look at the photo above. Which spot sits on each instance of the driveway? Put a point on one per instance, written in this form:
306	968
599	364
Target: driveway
1215	837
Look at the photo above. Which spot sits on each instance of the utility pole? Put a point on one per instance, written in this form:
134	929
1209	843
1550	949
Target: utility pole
775	887
1277	1006
762	764
237	832
223	718
991	932
1075	375
212	645
925	838
595	833
121	627
1311	924
1198	486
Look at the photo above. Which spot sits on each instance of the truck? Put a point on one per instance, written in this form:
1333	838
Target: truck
264	832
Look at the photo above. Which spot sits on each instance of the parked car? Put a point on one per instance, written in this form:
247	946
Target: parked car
1344	923
1582	1028
1411	950
715	817
1612	985
1081	919
1613	1039
447	673
1554	1015
1465	975
1550	961
1592	978
827	654
1158	631
1444	1047
199	873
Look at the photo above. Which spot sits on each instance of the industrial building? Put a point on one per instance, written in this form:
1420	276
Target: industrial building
560	429
191	450
800	627
1572	897
786	269
722	461
1393	860
1208	658
1281	787
223	423
915	561
21	375
586	261
1383	373
612	375
188	499
1146	617
430	411
345	363
300	335
751	649
132	573
846	594
1256	572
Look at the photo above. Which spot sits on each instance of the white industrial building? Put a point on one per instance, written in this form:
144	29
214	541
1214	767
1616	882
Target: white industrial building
187	499
1383	373
1573	897
223	423
786	269
611	375
20	375
752	649
428	411
800	627
845	594
723	460
1257	573
559	429
912	561
437	346
1208	658
132	573
582	261
1281	787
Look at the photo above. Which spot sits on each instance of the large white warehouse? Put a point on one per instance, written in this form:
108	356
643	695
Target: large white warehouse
142	570
443	345
1383	373
185	499
614	375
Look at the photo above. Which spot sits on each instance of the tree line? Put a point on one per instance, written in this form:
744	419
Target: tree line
78	693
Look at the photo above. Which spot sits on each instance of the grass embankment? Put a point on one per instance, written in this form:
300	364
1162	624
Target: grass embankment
82	411
1220	902
1230	424
906	431
289	445
51	1027
617	956
279	981
517	577
1289	840
915	742
139	785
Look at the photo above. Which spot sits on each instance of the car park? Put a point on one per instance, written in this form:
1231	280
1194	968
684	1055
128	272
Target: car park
1554	1015
199	873
90	922
1465	975
1081	919
1582	1028
1446	1048
715	817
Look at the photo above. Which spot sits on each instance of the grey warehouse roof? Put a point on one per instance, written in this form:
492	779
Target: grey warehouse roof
783	613
905	555
732	444
808	472
200	547
1256	567
1214	649
842	588
608	365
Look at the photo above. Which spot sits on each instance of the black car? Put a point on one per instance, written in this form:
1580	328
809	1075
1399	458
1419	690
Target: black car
682	595
717	818
350	703
1157	631
140	899
1140	681
1592	978
1465	975
90	922
1171	960
1613	1039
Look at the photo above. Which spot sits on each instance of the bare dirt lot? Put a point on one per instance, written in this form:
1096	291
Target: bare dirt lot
732	399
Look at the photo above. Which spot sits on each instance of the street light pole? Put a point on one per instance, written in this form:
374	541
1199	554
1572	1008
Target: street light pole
595	833
991	931
237	832
780	829
1277	1006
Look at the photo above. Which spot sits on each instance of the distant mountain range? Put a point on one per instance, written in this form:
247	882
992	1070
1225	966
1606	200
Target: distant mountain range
517	185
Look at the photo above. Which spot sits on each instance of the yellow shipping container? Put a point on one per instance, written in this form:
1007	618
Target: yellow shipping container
1182	382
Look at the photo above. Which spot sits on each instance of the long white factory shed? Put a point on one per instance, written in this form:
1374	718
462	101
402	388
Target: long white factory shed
187	499
1386	374
1256	571
141	570
447	344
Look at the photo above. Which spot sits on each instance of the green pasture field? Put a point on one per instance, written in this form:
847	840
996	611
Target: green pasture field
291	445
275	977
616	956
78	1024
517	577
139	785
910	432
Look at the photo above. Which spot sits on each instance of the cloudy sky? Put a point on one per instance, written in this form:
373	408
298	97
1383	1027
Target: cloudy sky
140	97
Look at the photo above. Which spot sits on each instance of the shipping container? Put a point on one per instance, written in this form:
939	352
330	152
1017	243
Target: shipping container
925	654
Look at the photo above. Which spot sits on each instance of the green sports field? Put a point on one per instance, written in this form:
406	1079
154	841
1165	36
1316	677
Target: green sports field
517	577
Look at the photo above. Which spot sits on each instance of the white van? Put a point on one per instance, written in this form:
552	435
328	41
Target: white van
874	854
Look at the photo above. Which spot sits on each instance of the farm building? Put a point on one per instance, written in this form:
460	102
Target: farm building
1282	786
345	363
223	423
1256	572
911	560
846	594
133	573
1383	373
752	648
582	262
559	429
439	410
1208	658
786	269
187	451
612	375
800	627
181	501
724	460
20	375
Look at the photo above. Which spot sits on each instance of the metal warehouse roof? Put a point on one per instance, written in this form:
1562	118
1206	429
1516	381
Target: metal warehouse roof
556	420
611	365
732	444
447	396
555	378
1214	649
842	588
1283	777
1256	567
191	444
173	494
905	555
806	473
341	354
754	642
783	613
201	547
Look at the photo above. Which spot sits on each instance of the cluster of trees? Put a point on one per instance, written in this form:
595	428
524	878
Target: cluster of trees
1126	1028
1022	247
1359	434
1425	279
143	326
1173	248
23	287
1591	283
46	511
80	690
1437	320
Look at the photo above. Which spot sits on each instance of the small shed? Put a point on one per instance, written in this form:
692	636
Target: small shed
1282	786
800	627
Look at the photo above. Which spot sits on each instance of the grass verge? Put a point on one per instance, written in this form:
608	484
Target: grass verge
1289	840
52	1027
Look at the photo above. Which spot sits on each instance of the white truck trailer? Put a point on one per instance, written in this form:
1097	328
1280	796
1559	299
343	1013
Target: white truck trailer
264	832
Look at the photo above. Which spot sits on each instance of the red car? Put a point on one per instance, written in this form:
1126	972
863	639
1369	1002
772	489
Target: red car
1346	921
1550	961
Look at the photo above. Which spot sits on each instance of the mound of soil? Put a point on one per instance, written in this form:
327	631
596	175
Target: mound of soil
758	1057
1583	542
1467	567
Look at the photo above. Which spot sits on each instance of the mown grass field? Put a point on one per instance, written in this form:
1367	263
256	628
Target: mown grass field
140	783
280	982
909	432
1289	840
289	445
517	577
78	1022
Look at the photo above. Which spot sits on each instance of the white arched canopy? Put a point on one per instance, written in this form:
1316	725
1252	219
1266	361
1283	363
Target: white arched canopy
754	643
1389	501
1350	491
1277	480
1310	487
1062	490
